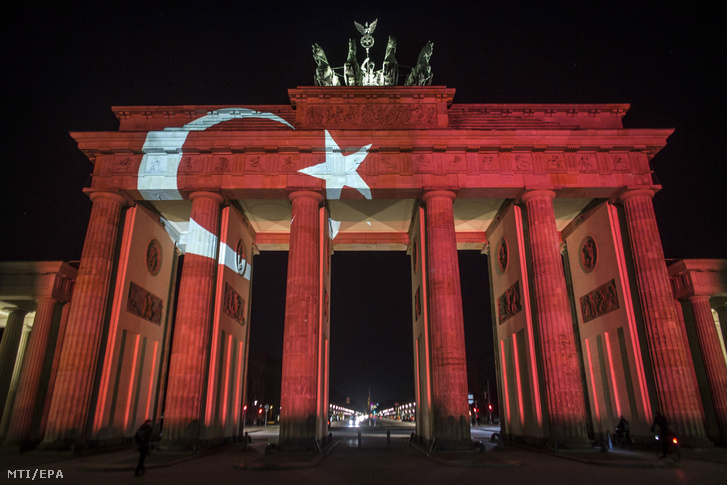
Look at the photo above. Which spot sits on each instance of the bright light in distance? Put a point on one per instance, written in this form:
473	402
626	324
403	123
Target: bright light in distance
403	411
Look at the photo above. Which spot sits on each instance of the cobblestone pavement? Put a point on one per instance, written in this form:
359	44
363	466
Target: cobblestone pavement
397	462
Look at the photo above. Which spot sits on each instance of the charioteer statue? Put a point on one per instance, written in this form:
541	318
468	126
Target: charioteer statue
366	74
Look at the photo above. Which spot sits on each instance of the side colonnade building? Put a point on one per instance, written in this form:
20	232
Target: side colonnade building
559	197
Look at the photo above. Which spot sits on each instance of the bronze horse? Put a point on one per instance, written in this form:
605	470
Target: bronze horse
421	75
390	67
351	69
324	74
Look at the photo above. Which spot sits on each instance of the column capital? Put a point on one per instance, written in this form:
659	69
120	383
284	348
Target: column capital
14	309
699	297
114	196
537	194
631	193
431	194
46	300
210	195
305	193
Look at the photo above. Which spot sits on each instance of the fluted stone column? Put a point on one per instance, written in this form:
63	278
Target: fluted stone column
714	362
191	346
722	315
63	324
10	401
298	394
69	409
30	374
448	354
675	386
683	331
9	352
564	389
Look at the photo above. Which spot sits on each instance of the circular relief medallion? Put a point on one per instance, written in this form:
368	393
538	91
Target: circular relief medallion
240	257
503	255
588	254
154	257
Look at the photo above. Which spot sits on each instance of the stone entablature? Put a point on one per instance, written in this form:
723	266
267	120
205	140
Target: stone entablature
147	118
418	138
35	280
362	106
695	277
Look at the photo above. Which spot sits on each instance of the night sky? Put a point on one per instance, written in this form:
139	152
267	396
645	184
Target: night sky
65	66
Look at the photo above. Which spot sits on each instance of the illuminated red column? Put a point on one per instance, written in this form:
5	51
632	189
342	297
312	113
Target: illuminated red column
30	375
9	351
564	389
713	358
190	347
74	380
54	367
298	398
449	358
675	385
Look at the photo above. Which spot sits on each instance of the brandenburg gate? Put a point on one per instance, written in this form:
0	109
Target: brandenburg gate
559	196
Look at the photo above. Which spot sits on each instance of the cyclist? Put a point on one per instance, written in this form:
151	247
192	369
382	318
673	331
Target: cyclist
623	432
661	421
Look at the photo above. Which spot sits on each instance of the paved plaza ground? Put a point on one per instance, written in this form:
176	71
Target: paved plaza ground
376	462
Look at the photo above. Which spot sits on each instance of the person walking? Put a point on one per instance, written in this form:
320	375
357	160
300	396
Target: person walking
142	438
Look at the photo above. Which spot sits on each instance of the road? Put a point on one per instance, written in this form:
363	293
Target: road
395	462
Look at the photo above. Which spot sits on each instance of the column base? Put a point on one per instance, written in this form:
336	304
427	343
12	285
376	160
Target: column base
698	442
570	444
61	445
302	445
178	445
14	446
445	445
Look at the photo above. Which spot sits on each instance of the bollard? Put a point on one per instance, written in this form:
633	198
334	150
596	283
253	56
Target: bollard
359	439
388	438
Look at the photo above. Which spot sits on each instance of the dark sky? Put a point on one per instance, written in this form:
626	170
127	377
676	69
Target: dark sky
64	67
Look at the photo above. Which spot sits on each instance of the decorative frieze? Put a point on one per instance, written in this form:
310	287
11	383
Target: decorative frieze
509	304
599	302
234	305
365	116
144	304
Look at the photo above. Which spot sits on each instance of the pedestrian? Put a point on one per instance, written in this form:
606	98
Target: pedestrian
142	438
661	421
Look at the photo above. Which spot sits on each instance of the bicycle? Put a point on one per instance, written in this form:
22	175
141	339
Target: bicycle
672	451
623	441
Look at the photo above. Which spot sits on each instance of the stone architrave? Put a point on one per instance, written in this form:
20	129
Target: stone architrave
190	348
74	381
714	361
675	385
30	375
298	398
448	356
562	377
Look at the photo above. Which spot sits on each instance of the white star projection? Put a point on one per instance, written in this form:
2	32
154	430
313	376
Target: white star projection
339	170
157	178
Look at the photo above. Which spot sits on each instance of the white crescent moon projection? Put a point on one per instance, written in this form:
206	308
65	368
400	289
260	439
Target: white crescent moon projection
163	151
